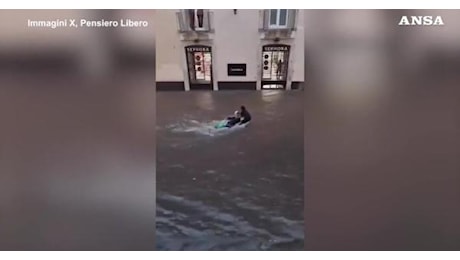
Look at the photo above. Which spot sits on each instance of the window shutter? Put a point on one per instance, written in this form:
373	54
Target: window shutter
266	24
291	18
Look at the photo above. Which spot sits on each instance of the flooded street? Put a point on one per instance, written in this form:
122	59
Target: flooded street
240	189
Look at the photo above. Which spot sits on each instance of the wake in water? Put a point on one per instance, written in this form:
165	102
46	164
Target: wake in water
200	128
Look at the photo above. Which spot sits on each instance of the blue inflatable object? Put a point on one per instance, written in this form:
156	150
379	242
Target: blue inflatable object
221	124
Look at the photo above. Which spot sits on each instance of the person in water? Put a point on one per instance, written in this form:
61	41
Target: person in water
245	116
233	120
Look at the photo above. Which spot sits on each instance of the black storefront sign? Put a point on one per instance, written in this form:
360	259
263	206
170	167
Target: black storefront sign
236	69
198	49
276	48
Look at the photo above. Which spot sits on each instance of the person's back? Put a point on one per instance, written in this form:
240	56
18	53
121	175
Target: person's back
246	116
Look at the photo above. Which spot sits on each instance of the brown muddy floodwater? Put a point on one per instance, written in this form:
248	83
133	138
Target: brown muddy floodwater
232	190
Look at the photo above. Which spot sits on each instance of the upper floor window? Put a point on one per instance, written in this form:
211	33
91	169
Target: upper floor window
198	20
278	18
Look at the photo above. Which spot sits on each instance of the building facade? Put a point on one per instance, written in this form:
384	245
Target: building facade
229	49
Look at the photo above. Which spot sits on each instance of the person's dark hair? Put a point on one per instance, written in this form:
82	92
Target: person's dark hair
243	108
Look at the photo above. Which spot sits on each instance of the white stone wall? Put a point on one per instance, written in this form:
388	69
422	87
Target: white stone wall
236	39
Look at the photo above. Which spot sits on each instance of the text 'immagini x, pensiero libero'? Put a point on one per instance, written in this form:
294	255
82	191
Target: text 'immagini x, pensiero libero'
77	23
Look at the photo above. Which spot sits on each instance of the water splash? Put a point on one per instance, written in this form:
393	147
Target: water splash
206	128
